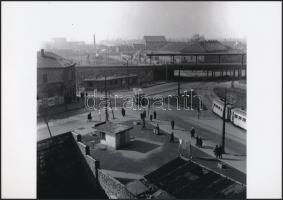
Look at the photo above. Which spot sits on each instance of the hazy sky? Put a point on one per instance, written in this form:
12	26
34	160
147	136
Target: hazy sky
109	20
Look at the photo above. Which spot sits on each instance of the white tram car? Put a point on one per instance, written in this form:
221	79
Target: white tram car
237	116
218	107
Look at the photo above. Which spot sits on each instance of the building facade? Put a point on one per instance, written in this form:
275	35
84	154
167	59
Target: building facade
154	42
114	135
110	82
56	79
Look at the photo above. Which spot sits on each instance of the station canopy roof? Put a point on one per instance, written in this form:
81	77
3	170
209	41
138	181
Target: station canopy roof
102	78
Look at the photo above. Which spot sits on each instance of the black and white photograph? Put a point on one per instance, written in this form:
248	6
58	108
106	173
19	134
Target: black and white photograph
141	100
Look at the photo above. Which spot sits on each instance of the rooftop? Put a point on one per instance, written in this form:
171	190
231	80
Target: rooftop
204	46
193	48
109	77
46	59
112	128
173	47
240	111
154	38
185	179
213	46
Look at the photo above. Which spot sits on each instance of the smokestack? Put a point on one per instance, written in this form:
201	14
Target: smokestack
42	52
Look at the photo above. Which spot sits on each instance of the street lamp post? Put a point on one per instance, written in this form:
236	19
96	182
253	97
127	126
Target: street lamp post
200	104
128	73
106	109
191	99
179	83
224	122
166	72
127	69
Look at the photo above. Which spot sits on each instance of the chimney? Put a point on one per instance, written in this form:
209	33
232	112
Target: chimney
42	52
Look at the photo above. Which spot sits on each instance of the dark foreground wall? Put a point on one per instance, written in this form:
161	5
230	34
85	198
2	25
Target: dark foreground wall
112	187
66	170
61	171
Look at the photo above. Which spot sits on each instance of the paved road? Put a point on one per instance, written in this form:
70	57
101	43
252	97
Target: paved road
236	143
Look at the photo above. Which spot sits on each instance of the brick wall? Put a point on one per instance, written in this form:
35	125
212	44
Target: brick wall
112	187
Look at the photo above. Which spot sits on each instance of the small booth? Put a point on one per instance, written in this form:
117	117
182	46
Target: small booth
113	134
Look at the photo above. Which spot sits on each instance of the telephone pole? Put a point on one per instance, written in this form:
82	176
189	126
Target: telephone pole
224	122
106	109
179	83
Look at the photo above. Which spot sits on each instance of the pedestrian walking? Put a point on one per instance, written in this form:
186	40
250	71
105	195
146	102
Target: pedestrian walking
216	151
172	124
157	129
141	116
200	142
123	111
172	137
220	151
193	132
150	117
144	114
154	114
197	141
143	123
89	117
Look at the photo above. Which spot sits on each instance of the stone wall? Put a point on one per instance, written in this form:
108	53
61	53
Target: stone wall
112	187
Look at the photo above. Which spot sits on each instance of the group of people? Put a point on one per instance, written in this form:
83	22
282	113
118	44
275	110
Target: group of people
154	116
218	151
199	141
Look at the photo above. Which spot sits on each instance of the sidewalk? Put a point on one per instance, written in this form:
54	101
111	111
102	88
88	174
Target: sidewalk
231	158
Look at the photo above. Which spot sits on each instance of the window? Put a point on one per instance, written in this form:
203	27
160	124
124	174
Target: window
236	116
240	118
44	77
244	119
102	136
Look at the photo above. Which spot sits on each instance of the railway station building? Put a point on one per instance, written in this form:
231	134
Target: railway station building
111	82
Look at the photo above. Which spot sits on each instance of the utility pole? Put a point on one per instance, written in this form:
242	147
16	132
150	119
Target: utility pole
128	74
224	123
43	111
111	106
166	72
179	83
106	109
